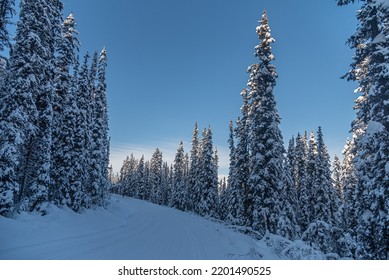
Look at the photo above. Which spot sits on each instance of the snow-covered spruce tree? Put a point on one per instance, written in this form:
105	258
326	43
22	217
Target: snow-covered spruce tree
337	177
348	183
291	159
166	183
233	203
84	101
65	63
10	119
7	11
268	181
141	194
99	148
371	128
194	171
301	180
207	182
311	174
242	159
73	149
323	231
101	95
123	174
178	194
157	193
129	177
326	201
32	72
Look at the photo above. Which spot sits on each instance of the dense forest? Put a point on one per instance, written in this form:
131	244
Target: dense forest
54	144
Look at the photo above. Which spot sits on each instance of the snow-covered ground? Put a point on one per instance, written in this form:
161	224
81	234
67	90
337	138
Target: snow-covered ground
134	229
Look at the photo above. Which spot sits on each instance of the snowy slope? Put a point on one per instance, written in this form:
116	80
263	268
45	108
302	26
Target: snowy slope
130	229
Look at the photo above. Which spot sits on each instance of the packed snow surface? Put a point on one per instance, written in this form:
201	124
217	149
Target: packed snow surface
133	229
129	229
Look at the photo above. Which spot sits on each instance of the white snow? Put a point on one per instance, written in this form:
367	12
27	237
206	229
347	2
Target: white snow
385	3
380	38
373	128
134	229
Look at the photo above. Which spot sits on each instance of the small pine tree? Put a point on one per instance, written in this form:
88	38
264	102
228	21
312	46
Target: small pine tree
178	194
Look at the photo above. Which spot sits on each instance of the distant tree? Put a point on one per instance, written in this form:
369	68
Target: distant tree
208	180
157	193
301	180
166	184
178	194
326	201
242	159
291	160
337	177
194	171
141	179
348	183
233	195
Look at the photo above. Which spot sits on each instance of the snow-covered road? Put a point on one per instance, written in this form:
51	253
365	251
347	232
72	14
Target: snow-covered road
130	229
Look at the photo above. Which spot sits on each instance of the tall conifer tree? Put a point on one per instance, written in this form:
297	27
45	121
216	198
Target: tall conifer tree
268	180
371	128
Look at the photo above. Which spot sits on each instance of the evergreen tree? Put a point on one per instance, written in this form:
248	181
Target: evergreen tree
337	177
242	159
326	201
348	183
233	202
102	115
84	101
268	180
166	184
208	181
66	60
99	149
177	198
129	177
157	193
371	127
72	189
291	160
29	103
141	179
301	180
194	171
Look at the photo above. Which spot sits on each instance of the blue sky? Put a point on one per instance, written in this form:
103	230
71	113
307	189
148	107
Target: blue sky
175	62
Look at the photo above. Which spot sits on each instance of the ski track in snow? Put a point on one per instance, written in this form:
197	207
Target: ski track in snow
130	229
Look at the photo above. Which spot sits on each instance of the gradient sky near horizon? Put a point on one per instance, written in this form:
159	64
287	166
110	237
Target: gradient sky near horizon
174	62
